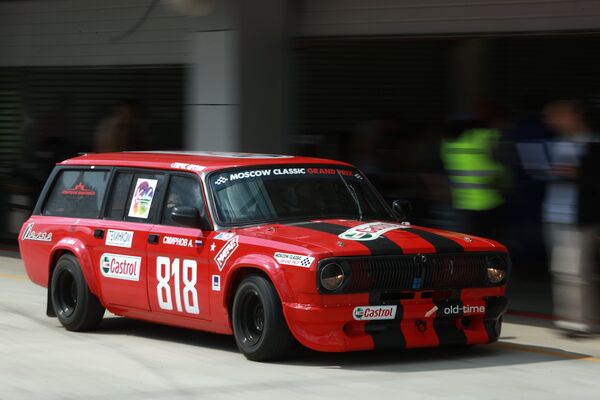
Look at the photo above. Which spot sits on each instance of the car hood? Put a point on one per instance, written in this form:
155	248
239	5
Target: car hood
341	237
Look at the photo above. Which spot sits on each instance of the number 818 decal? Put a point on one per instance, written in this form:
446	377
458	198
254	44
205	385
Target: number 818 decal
165	269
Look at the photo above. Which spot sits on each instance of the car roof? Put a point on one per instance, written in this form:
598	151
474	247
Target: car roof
205	161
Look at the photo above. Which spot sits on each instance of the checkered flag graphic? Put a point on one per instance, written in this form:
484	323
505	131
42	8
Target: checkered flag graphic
221	180
305	262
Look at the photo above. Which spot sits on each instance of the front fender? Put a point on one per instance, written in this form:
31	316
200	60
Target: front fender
81	252
264	263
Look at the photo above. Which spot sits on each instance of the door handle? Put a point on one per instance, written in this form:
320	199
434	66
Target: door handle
98	233
153	239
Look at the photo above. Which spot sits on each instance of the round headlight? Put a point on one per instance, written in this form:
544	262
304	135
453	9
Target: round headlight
495	275
332	276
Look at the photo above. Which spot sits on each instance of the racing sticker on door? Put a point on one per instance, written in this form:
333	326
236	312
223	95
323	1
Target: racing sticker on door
142	198
119	266
176	288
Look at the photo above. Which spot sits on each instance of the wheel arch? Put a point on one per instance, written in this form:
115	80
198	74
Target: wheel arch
78	249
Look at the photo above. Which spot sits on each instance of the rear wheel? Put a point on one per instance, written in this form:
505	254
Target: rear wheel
259	326
75	306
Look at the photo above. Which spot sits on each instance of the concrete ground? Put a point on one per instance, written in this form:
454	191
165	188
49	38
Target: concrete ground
128	359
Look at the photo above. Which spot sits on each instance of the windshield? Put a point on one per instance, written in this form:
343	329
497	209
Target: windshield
301	192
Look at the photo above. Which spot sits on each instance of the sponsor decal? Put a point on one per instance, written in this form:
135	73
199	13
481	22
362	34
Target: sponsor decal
374	313
142	198
187	167
463	310
119	266
258	173
370	231
79	190
266	172
328	171
296	260
70	242
225	236
221	180
118	238
216	283
30	234
226	251
431	312
177	241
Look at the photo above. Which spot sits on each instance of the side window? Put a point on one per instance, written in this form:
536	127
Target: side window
77	193
183	191
144	197
119	195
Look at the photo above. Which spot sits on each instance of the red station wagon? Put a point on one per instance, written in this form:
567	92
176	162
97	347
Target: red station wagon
272	249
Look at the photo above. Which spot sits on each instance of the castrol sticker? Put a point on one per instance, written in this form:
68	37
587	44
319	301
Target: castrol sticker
370	231
119	266
374	313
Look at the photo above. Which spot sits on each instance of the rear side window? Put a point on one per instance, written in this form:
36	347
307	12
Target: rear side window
144	197
120	194
77	193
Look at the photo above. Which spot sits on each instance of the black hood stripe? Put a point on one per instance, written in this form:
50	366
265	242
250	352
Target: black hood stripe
385	246
379	247
442	244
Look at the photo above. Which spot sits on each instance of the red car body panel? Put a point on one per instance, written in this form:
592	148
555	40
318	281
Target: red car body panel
319	321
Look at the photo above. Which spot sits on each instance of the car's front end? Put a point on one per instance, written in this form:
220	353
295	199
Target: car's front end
410	287
354	276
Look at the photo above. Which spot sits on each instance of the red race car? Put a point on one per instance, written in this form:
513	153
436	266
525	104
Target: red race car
268	248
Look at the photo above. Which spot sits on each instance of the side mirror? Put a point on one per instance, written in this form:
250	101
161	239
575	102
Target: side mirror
189	216
402	209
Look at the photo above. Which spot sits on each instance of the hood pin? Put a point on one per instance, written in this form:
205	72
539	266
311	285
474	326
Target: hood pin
340	243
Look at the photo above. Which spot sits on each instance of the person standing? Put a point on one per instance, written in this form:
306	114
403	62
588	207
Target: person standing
571	217
477	179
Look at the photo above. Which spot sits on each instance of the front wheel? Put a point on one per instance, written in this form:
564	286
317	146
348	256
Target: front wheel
75	306
259	326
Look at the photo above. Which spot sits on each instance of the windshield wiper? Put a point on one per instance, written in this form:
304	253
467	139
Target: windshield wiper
353	195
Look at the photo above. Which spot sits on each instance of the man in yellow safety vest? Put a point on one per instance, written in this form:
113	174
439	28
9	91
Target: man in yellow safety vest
476	179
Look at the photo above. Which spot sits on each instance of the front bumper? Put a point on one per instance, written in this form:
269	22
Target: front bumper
418	322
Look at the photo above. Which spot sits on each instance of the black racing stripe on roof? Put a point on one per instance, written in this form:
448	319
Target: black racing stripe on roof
379	247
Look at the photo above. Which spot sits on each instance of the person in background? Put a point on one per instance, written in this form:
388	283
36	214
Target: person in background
119	131
477	179
570	212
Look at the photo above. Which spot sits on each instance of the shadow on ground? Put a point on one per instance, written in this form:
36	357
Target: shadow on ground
412	360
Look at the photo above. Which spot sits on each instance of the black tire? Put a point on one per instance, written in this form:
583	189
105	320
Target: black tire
75	306
259	326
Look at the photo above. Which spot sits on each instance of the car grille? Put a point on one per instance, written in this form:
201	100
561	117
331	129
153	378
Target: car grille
415	272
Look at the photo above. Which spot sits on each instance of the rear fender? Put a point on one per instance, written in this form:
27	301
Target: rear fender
81	252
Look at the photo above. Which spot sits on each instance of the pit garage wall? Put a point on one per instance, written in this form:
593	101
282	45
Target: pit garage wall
78	35
89	32
416	17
